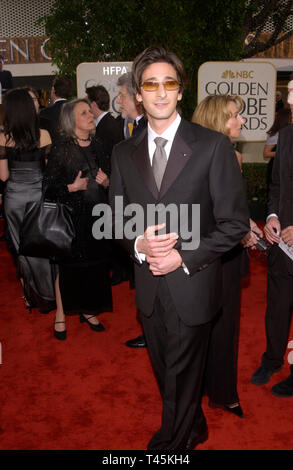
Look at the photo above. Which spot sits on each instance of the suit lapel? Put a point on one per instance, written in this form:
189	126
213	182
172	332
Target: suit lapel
141	160
179	156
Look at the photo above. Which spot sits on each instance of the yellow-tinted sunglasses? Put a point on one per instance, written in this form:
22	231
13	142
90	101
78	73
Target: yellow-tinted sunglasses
169	85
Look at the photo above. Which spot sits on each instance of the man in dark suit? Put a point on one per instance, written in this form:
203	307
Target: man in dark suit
107	128
178	283
279	226
49	117
133	119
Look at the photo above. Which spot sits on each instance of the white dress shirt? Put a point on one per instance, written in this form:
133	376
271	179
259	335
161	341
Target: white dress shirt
169	135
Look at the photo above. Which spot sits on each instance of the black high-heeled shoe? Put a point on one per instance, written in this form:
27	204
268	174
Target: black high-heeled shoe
61	335
234	409
98	327
27	305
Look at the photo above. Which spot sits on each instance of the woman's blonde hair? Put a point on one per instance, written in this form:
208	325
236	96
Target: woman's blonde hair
213	112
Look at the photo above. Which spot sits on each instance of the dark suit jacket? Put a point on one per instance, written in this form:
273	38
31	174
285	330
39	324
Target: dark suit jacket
49	119
6	80
142	123
202	169
109	132
280	200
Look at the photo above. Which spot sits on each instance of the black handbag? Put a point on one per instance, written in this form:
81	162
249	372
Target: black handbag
47	230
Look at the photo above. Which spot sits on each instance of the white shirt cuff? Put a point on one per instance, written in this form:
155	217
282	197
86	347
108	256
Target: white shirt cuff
185	269
271	215
139	256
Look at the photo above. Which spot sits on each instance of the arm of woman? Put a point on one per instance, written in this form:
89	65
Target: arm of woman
268	151
4	170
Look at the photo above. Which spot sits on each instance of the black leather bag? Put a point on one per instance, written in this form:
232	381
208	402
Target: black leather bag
47	230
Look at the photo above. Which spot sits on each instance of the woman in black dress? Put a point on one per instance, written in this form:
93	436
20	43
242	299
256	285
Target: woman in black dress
78	174
23	153
222	113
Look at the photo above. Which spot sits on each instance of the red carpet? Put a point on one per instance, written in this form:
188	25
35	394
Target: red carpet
92	392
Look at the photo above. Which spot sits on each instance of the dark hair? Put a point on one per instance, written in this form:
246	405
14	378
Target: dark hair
62	86
20	123
150	56
282	119
100	96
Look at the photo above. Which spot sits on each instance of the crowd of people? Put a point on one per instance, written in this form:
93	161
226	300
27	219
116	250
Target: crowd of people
77	153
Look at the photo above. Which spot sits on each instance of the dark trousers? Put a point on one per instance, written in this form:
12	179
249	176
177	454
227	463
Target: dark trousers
279	308
178	355
221	369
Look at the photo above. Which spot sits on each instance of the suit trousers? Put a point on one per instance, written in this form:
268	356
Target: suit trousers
178	355
279	308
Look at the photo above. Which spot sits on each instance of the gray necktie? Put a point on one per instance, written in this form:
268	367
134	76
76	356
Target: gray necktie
159	160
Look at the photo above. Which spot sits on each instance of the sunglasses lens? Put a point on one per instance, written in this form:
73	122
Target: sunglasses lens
150	86
171	85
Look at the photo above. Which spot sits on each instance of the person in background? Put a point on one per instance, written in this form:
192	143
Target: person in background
279	101
129	107
24	148
6	79
282	119
290	95
107	127
5	236
222	113
49	117
279	227
78	174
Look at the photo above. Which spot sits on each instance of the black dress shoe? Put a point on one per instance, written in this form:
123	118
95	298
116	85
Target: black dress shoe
262	375
139	342
199	438
236	410
93	326
284	388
